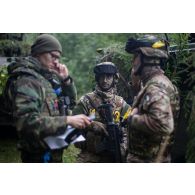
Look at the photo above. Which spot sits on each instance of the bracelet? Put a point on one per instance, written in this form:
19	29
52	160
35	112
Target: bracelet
67	78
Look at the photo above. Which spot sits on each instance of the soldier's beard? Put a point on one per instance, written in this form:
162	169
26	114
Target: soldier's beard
106	87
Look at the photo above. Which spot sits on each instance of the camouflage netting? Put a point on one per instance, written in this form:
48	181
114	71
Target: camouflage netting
116	54
184	76
11	45
12	48
190	154
189	108
3	77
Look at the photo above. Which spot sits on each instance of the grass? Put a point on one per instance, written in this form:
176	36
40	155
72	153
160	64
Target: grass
10	154
8	151
70	154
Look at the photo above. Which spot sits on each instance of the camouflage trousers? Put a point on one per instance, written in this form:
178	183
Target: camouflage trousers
103	157
131	158
89	157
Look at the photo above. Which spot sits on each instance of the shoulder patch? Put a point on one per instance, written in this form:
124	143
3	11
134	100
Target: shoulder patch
147	98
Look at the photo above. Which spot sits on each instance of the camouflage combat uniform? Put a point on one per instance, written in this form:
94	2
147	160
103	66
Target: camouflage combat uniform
35	108
151	130
92	150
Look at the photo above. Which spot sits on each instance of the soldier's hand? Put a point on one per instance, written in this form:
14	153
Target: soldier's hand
80	121
61	70
134	111
98	128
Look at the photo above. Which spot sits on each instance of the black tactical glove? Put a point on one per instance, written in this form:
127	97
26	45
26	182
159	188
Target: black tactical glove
99	128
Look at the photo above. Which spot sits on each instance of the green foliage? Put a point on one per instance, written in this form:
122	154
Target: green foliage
8	151
14	48
79	51
3	77
80	55
70	154
190	154
175	62
181	70
181	65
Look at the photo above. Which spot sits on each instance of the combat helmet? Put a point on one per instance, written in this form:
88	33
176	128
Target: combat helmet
154	51
105	68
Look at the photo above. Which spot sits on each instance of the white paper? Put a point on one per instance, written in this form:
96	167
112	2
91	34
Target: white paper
58	141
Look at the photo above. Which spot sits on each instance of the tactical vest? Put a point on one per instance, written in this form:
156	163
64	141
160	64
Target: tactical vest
144	145
90	103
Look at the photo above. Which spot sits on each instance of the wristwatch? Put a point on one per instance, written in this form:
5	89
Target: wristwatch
68	78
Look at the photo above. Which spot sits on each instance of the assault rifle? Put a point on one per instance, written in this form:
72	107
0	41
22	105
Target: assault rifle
190	46
187	47
112	142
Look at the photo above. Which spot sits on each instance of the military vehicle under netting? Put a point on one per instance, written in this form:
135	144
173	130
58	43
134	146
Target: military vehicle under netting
12	45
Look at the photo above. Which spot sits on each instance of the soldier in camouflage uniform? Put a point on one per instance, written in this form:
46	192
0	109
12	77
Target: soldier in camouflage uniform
34	88
93	149
155	108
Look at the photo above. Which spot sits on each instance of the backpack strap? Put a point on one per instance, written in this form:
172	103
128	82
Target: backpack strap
91	102
94	106
8	86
